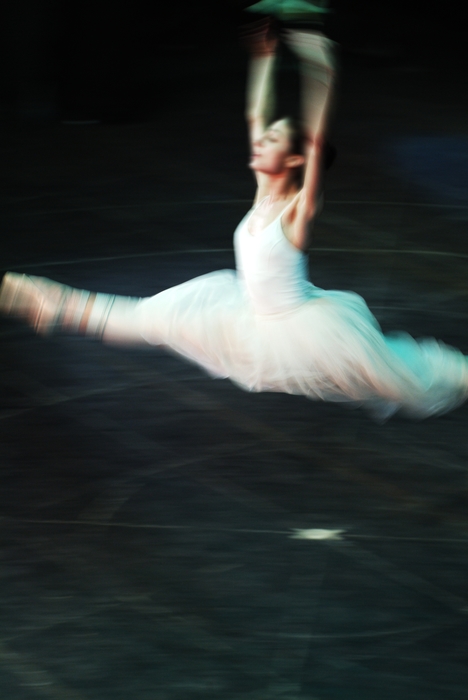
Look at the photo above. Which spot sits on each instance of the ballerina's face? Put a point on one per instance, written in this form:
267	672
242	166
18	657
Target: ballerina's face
271	154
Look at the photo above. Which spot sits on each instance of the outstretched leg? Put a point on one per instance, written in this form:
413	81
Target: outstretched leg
48	306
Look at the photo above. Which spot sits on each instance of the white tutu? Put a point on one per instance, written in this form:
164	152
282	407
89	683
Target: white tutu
329	347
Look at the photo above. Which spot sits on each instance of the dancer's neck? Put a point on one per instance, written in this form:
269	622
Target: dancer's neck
280	188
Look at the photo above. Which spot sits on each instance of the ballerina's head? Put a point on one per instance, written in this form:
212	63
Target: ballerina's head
280	150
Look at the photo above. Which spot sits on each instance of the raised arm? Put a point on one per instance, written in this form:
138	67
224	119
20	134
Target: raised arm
316	55
261	44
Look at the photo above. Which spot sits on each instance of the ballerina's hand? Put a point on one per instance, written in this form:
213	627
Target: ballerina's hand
259	38
311	47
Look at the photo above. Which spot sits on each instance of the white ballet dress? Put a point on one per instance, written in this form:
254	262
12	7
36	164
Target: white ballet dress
268	328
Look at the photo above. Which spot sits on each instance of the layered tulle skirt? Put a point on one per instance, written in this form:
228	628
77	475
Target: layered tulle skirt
328	347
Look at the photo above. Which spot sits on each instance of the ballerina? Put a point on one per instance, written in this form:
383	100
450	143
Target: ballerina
266	326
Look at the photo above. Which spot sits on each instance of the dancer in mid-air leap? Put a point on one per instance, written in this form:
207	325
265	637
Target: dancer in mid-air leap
266	326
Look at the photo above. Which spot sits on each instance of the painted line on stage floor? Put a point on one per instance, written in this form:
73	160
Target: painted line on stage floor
141	205
142	526
210	251
201	202
290	533
359	635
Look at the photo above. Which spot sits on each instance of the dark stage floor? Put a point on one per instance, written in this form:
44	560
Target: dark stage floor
165	536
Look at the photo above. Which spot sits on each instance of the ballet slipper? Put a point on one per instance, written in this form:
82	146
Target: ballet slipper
43	304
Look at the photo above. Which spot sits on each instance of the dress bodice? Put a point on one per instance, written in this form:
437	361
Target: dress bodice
274	271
